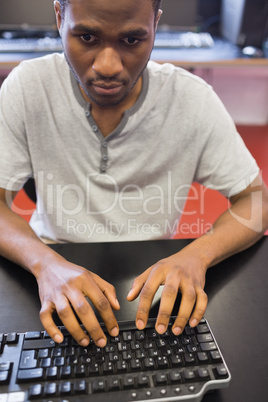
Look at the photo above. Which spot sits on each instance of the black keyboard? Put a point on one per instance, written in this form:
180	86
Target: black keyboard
22	45
183	40
134	366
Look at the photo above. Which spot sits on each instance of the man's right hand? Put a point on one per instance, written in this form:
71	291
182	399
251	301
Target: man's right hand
63	287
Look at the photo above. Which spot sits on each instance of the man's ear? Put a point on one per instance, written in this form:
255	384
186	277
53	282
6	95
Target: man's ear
58	13
159	13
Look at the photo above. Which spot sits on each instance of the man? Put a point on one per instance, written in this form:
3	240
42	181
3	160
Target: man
113	153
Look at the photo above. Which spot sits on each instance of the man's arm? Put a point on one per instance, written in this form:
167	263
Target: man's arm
61	283
235	230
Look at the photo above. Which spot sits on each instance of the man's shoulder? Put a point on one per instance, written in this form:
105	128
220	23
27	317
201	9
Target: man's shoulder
167	76
47	66
47	62
171	72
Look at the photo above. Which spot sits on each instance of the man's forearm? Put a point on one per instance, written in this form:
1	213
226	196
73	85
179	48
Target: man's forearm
239	227
19	243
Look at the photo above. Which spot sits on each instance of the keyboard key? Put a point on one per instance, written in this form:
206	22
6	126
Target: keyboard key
65	388
80	370
45	363
65	372
202	328
39	344
175	377
5	366
42	353
189	375
12	338
143	380
30	375
215	356
28	360
203	373
4	377
205	347
35	391
160	379
204	338
50	389
128	382
98	386
202	357
221	372
33	335
51	373
114	384
80	387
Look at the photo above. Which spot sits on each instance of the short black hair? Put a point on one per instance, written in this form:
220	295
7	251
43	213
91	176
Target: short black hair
156	5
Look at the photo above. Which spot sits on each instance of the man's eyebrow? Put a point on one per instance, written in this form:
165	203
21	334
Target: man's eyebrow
140	32
85	28
135	32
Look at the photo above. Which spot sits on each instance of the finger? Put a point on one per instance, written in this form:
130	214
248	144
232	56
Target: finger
200	307
87	316
146	298
186	308
168	298
137	285
96	290
69	320
108	290
48	323
104	308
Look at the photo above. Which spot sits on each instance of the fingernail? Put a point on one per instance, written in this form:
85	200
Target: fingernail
161	329
101	342
117	303
130	293
115	331
140	324
193	323
177	331
84	342
58	338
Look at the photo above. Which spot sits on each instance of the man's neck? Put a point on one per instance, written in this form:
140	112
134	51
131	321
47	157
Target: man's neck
108	118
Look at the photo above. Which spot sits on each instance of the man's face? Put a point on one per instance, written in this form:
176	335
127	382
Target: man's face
107	44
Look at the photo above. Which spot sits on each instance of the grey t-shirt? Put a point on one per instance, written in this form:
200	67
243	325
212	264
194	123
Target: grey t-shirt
131	185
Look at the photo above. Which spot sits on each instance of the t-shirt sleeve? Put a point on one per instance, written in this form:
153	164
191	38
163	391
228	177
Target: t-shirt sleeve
225	163
15	163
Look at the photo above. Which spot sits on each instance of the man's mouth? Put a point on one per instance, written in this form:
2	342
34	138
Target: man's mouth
107	89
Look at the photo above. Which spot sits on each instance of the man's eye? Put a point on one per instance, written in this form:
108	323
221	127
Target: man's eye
131	41
88	38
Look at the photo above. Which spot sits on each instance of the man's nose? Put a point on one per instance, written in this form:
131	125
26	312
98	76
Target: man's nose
108	63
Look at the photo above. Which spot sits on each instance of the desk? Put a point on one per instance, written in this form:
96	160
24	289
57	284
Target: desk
237	291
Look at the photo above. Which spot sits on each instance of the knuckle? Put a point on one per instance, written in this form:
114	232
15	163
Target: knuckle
45	310
183	319
204	297
102	304
82	307
143	311
170	289
63	311
147	293
94	331
164	315
190	294
199	312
